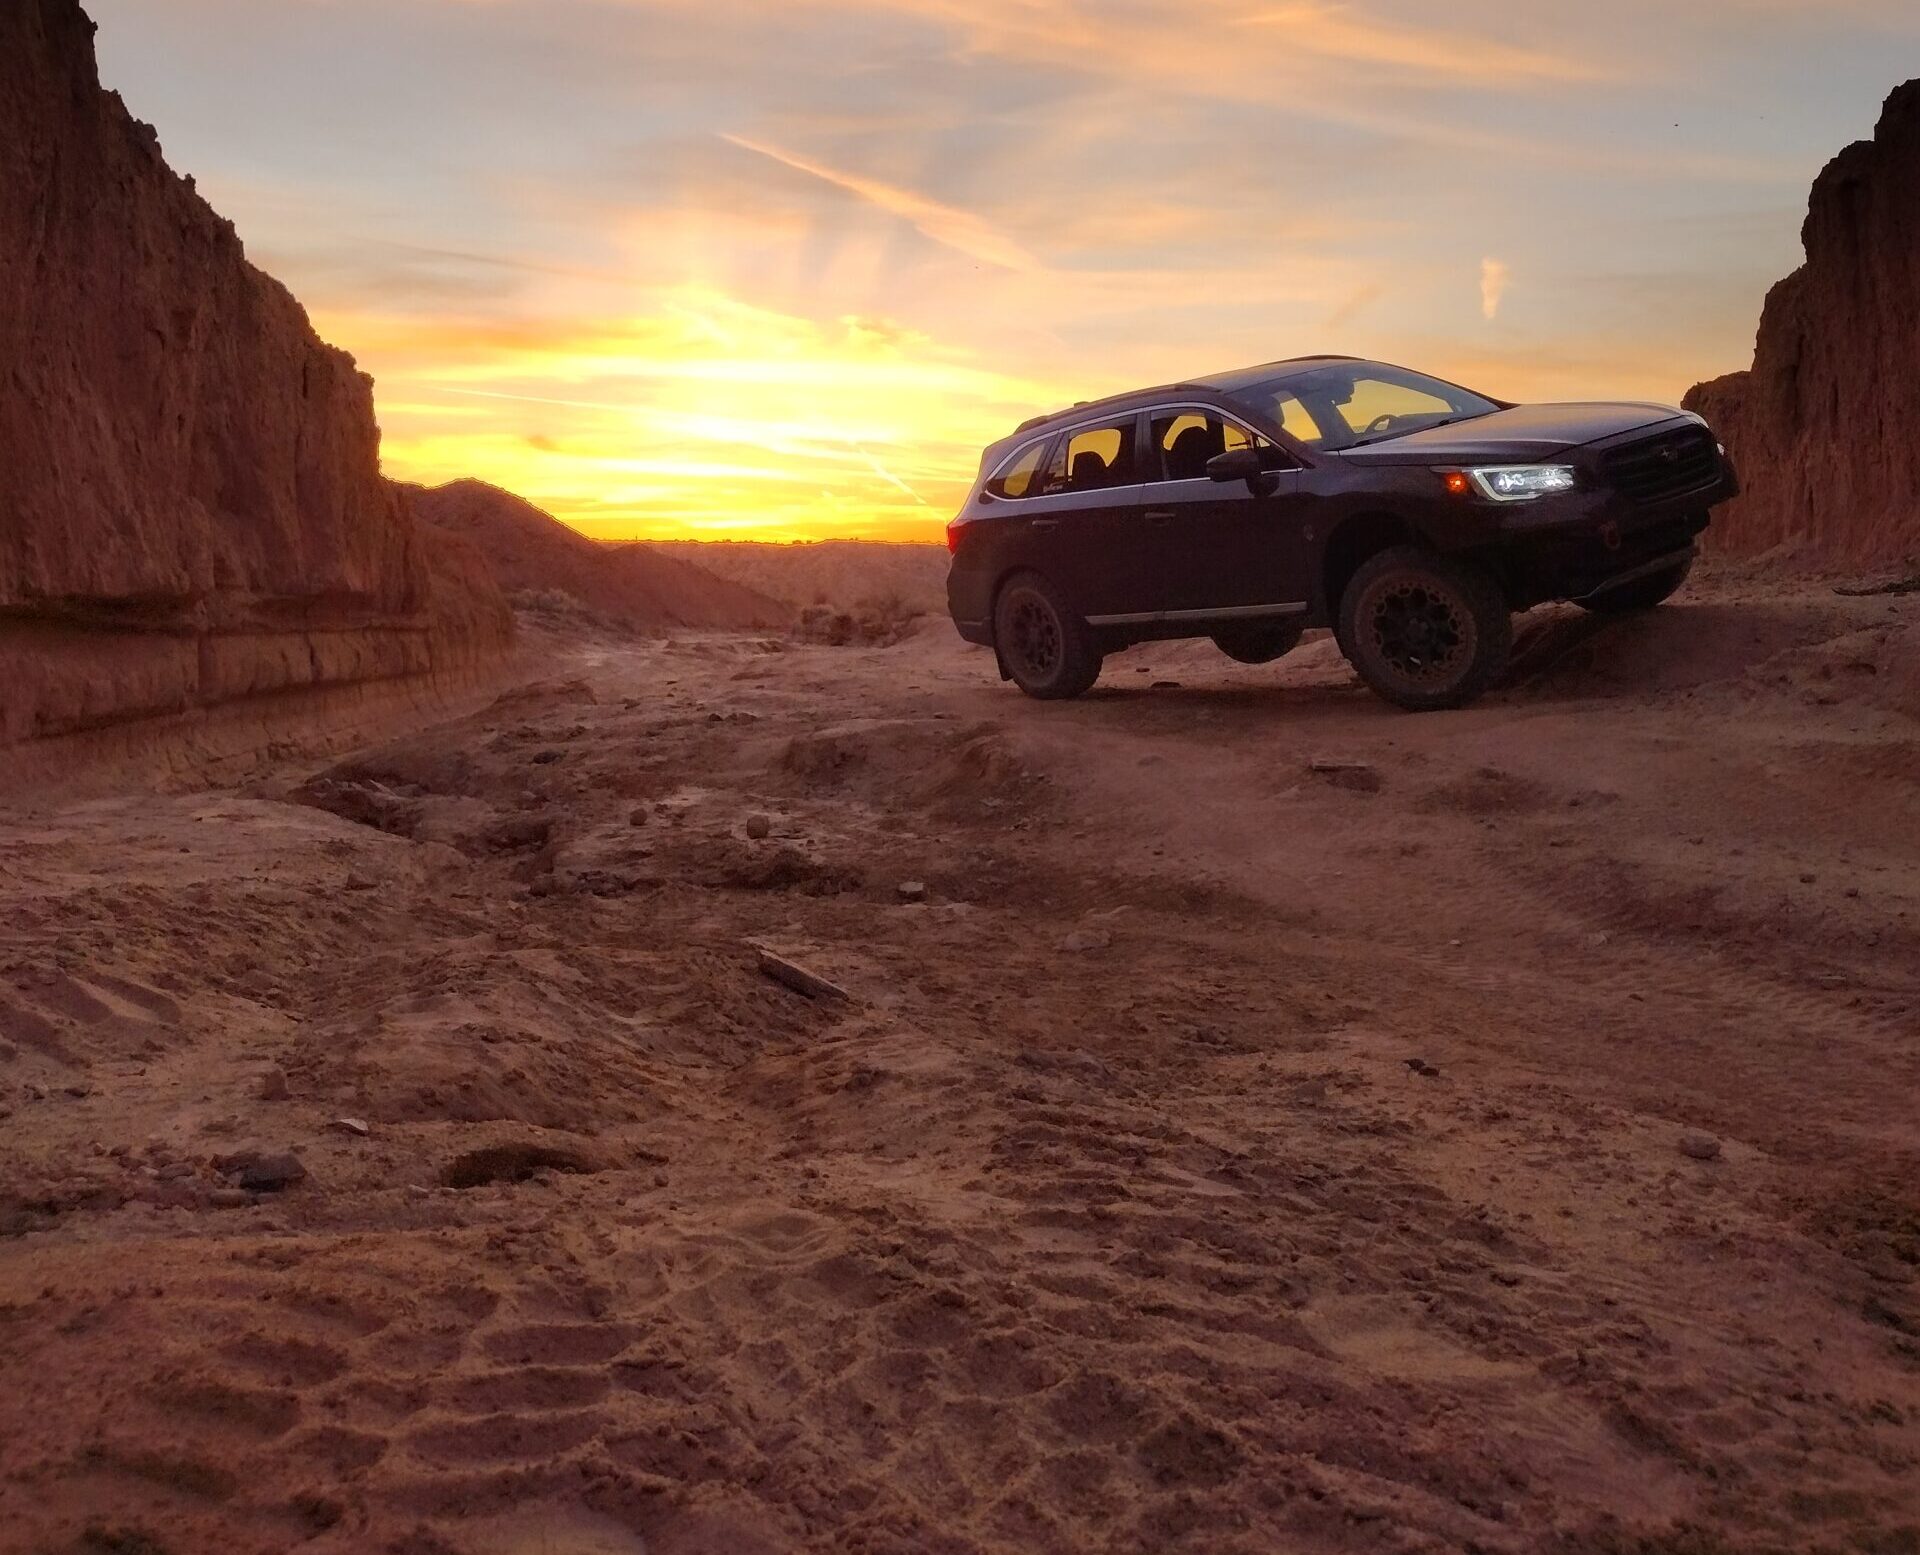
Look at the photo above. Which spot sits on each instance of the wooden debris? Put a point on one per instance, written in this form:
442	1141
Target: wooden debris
792	975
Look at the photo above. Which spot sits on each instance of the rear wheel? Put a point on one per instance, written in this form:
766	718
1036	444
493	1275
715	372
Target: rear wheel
1260	644
1641	594
1425	631
1046	649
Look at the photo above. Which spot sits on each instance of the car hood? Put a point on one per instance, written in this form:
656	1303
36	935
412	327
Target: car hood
1522	434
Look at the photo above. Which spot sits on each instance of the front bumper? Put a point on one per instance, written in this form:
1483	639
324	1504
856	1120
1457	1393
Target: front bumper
1576	546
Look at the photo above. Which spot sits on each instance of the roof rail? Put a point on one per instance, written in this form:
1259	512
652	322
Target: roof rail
1128	394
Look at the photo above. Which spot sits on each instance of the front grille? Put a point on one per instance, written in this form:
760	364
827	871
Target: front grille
1657	469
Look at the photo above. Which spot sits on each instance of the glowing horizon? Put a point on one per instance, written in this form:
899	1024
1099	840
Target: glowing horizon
779	269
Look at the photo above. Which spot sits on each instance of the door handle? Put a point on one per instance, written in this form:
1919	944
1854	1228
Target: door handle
1160	517
1044	524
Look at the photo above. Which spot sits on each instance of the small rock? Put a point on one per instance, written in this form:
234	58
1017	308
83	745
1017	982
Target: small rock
1164	685
912	890
273	1084
229	1198
271	1173
1083	940
355	1126
1421	1067
78	1092
547	757
173	1171
359	883
759	826
639	817
1700	1147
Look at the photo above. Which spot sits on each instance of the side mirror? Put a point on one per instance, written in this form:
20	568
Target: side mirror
1237	464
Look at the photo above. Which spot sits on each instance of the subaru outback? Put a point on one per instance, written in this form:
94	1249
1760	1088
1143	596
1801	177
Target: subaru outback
1410	515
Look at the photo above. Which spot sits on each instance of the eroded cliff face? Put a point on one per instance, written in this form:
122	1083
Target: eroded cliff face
1825	427
191	504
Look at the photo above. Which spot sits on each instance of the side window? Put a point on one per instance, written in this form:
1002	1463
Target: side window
1185	440
1093	459
1017	479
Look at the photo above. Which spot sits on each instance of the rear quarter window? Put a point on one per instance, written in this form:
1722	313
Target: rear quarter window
1018	477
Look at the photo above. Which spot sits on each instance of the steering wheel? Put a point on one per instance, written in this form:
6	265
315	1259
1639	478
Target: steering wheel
1378	424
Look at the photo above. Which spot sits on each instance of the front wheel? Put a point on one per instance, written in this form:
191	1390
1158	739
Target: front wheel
1260	644
1425	631
1044	647
1656	588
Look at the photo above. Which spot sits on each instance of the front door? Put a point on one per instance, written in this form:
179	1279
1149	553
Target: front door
1220	546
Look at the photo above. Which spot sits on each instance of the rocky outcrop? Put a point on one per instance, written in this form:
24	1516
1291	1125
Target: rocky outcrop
191	504
630	587
1825	427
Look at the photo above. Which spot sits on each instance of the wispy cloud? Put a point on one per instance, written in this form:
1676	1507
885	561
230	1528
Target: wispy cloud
1495	276
1343	32
957	229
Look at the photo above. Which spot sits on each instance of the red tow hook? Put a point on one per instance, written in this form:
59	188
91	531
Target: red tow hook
1610	535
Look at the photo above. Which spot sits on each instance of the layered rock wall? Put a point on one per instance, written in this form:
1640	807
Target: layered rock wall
191	503
1825	426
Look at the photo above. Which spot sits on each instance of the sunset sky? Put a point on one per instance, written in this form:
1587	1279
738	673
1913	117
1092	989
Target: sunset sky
778	269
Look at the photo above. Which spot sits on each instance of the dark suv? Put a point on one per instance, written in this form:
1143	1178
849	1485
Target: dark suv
1410	515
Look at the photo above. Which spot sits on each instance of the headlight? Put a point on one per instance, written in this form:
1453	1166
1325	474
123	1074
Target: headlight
1523	482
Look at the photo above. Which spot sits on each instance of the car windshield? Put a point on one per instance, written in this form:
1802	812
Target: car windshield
1347	404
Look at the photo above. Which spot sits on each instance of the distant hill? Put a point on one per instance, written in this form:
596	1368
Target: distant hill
841	573
635	587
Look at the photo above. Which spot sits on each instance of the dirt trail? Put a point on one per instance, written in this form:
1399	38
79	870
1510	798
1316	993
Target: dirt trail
1267	1129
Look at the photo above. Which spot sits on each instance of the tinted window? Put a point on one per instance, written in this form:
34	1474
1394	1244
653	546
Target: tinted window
1093	459
1295	419
1349	403
1183	442
1017	478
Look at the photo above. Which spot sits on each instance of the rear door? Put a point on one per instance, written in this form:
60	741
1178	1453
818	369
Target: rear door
1221	546
1082	526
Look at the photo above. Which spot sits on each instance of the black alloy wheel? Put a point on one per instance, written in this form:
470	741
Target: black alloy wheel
1046	650
1425	631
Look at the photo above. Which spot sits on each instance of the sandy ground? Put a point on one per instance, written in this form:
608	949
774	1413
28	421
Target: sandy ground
1273	1131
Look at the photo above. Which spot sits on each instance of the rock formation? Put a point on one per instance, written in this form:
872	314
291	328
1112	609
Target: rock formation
1825	427
633	587
191	504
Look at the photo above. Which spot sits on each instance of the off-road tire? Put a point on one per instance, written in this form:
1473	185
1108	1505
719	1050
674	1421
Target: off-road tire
1260	644
1045	648
1425	631
1656	588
